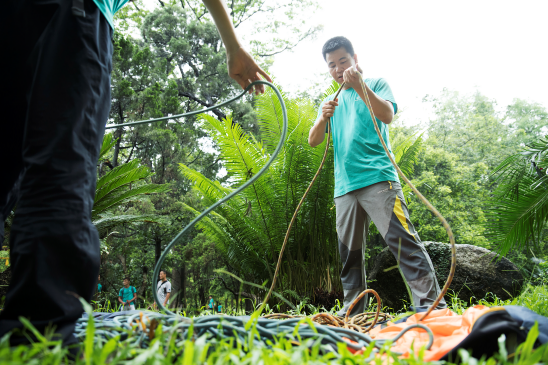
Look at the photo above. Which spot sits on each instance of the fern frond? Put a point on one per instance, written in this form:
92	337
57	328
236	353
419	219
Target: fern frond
108	143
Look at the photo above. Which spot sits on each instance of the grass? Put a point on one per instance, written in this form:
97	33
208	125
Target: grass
165	349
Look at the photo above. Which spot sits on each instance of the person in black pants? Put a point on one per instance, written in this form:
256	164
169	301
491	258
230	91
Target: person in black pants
56	64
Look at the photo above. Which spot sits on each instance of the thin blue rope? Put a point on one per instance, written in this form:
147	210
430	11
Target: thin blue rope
226	198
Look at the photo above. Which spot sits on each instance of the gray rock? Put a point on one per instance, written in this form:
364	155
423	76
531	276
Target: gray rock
478	273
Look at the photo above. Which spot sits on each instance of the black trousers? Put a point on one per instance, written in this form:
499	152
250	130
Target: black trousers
55	71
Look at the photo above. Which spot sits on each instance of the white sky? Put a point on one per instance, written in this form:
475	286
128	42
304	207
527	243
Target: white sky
497	47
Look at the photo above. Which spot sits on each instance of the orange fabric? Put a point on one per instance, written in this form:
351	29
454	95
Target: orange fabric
449	330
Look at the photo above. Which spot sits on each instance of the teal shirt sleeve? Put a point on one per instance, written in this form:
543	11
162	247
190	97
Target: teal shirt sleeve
109	8
121	294
383	90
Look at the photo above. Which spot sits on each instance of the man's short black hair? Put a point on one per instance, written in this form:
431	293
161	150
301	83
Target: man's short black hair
335	43
163	271
127	278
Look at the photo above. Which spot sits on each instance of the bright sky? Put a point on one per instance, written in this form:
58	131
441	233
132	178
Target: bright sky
497	47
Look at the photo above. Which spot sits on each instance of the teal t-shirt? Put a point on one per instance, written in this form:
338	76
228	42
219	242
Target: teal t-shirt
109	8
360	159
99	287
127	293
211	303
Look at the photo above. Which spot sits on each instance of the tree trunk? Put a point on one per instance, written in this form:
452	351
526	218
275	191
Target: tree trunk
157	249
116	149
176	286
122	259
142	288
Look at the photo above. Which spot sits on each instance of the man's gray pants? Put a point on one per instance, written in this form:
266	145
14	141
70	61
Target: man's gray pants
384	204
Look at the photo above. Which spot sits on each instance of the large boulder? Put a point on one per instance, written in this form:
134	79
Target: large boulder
479	272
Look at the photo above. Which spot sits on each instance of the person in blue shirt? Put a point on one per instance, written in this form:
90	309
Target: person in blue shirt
367	187
97	295
211	304
56	66
127	296
220	308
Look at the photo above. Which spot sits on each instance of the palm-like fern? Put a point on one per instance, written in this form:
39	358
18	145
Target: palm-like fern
119	186
249	229
519	208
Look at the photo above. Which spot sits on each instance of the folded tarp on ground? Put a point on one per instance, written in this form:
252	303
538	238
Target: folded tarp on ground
477	329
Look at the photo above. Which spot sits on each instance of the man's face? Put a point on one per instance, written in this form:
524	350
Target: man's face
99	277
338	61
126	282
162	275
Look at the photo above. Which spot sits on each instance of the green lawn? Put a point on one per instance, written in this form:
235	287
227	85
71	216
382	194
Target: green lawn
167	348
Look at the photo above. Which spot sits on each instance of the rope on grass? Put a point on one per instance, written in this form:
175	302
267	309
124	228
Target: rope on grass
362	322
138	329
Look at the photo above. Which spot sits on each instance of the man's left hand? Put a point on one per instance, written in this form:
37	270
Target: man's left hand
352	76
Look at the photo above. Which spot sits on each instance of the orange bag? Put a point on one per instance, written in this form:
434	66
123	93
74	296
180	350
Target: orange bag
449	330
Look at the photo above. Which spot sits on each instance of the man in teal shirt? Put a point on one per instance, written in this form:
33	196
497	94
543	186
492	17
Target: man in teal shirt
211	304
56	64
127	296
367	187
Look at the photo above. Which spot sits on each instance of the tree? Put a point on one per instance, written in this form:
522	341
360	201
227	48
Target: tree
270	27
469	127
519	207
118	186
528	121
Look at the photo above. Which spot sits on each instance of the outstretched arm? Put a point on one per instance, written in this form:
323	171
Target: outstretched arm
241	66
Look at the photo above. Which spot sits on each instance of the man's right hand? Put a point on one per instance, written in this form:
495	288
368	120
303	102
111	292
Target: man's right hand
328	109
317	132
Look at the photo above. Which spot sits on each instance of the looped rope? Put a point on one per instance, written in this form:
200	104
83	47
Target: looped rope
229	196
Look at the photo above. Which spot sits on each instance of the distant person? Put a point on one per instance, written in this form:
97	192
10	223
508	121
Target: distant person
127	296
211	304
99	286
97	296
220	308
164	289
